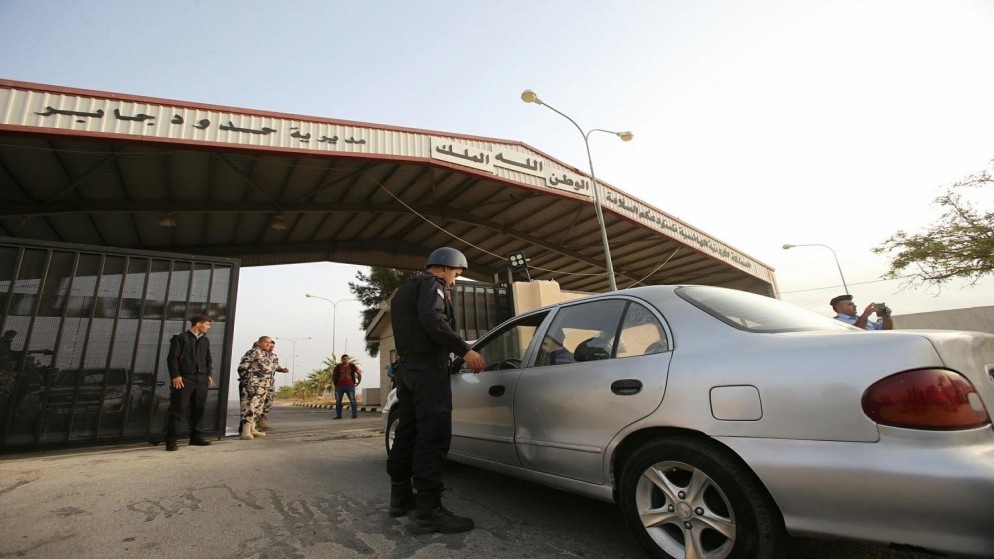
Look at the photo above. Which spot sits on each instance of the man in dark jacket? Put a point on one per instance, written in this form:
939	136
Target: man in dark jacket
190	367
423	327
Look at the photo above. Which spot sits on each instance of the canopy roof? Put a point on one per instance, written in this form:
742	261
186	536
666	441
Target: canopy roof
108	169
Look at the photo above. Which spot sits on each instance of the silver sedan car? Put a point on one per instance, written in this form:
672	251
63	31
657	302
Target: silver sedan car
720	421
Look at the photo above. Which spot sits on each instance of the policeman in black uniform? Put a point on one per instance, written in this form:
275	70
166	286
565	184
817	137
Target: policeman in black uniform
190	367
422	318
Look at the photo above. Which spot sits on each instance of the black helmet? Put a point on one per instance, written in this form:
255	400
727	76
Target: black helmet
446	256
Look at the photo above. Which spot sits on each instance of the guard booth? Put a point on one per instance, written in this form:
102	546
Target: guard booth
84	333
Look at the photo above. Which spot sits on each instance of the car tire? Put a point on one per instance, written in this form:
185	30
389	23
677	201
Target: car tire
686	497
391	430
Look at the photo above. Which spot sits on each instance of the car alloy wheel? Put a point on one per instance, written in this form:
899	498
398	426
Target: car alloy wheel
690	499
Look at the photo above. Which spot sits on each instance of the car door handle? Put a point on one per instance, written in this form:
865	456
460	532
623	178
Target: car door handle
626	387
496	390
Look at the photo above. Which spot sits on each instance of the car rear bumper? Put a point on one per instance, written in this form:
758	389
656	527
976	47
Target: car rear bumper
928	489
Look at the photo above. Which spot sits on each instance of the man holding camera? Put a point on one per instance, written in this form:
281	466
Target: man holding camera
846	312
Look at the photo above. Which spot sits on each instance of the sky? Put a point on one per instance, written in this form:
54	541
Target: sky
761	123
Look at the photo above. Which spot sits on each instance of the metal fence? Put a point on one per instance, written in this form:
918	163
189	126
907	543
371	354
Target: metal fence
85	332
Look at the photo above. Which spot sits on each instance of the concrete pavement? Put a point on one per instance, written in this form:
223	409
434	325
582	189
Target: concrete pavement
313	488
232	499
302	492
296	418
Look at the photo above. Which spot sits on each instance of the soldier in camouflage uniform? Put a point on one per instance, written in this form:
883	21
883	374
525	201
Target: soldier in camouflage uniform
257	365
267	402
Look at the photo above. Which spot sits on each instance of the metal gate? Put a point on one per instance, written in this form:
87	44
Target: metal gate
478	307
85	332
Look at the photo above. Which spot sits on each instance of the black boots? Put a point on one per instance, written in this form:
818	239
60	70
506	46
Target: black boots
401	498
431	517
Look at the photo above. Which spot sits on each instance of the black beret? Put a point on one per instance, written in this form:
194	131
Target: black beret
839	299
200	318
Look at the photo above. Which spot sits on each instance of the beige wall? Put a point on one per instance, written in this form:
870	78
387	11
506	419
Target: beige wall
377	396
371	396
977	319
539	293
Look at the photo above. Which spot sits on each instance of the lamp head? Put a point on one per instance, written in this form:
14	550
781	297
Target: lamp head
529	96
786	246
626	136
167	220
278	223
517	260
308	295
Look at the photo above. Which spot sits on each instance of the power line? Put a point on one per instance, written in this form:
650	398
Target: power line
834	286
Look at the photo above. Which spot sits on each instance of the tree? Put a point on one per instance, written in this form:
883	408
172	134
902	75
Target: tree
319	381
373	289
960	244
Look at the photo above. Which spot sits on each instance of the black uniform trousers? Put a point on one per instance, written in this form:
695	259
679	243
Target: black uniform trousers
192	399
424	423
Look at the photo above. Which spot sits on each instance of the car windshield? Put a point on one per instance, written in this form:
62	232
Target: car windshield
755	313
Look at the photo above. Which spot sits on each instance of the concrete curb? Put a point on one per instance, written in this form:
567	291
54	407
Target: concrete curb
332	406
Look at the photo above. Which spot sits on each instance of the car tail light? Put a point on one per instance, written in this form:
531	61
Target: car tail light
936	399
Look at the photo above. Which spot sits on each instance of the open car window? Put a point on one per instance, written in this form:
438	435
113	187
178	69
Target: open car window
505	348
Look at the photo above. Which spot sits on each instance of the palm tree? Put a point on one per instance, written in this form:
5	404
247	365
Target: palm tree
321	378
311	387
318	383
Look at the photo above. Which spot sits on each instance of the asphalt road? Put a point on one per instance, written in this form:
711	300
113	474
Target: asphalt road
313	488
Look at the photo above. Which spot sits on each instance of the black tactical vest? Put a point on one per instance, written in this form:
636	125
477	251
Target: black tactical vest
409	335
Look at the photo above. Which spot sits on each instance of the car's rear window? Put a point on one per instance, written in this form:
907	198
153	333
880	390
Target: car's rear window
755	313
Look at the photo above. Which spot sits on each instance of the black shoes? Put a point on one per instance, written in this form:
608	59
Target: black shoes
339	417
171	445
401	498
430	516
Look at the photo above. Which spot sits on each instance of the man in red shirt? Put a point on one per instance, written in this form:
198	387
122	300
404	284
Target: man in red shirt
346	377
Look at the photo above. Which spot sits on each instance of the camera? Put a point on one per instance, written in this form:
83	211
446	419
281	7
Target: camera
882	309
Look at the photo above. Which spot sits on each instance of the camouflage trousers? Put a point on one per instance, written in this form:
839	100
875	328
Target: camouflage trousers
252	393
267	400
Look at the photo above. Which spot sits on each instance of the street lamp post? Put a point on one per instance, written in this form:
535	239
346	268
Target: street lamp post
529	96
837	265
293	354
334	310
